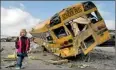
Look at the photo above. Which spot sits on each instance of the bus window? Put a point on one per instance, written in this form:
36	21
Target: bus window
60	32
81	26
88	5
55	20
68	25
94	17
88	41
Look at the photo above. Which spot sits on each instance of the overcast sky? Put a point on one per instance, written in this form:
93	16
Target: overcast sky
16	15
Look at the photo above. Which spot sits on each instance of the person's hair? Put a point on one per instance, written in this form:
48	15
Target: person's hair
23	30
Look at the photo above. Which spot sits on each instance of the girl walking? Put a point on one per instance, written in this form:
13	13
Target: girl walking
22	45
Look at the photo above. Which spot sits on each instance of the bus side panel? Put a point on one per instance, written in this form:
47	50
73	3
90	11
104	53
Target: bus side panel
105	36
100	32
68	52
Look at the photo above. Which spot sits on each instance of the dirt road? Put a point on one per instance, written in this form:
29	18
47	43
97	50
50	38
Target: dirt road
100	58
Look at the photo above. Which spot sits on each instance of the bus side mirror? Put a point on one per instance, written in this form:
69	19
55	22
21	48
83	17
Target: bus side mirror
49	38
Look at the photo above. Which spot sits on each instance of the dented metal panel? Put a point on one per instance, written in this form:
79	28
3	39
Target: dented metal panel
73	30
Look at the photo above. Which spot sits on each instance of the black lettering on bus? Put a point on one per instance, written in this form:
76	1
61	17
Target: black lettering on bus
70	12
77	10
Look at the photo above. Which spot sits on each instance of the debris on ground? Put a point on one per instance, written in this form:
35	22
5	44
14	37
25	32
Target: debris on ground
33	57
13	64
83	66
7	59
50	61
79	66
58	61
12	56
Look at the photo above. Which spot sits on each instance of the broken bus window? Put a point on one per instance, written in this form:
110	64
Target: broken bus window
88	41
68	25
55	20
60	32
88	5
94	16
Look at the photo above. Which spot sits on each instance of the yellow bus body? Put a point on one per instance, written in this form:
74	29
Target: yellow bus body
97	31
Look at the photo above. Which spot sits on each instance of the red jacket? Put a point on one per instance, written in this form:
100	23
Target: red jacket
22	44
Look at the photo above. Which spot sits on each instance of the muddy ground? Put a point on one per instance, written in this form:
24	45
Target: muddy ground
101	58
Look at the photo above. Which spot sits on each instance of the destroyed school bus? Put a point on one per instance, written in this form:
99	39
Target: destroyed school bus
74	30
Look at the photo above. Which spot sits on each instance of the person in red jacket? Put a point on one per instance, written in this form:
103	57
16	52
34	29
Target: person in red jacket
22	45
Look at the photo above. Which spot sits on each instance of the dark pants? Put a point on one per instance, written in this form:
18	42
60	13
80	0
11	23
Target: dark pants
20	59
